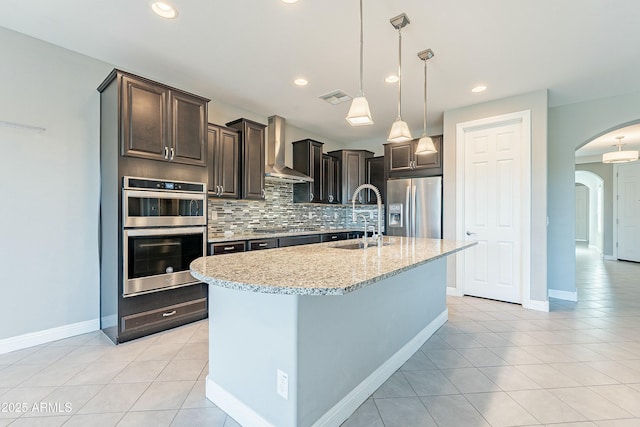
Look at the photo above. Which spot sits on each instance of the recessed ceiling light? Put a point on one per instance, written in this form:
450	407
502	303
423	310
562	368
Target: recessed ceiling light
164	9
392	79
290	1
301	82
479	89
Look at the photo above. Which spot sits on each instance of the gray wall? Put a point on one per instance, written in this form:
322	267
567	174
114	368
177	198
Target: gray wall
537	103
571	127
50	183
50	186
604	171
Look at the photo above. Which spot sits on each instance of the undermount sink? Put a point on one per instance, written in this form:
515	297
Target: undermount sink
359	245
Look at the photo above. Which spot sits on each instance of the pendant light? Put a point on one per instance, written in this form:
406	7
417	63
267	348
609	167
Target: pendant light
620	156
399	130
425	144
359	113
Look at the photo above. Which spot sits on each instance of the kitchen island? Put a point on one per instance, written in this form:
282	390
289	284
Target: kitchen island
301	336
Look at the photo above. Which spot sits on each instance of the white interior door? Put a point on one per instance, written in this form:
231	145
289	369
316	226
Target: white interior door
496	200
629	211
582	213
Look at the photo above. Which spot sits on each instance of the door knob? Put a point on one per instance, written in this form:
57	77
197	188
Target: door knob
470	233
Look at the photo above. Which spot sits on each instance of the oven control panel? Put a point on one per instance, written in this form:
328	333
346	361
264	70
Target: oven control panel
155	184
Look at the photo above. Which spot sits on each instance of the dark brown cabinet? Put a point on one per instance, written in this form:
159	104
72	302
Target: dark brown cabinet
223	161
353	174
257	245
252	151
331	179
307	158
402	161
226	247
161	123
375	177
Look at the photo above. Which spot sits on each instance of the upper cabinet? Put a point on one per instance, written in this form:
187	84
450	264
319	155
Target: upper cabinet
353	172
402	161
223	162
307	158
159	122
375	177
251	136
331	179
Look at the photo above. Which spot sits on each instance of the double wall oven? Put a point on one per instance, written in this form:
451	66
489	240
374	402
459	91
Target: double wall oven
164	229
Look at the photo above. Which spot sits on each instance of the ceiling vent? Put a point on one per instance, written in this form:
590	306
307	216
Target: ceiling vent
336	97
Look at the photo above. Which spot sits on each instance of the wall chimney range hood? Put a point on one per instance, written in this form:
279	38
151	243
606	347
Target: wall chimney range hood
275	169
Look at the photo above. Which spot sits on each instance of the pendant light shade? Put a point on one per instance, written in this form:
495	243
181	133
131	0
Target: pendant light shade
620	156
399	130
425	144
359	113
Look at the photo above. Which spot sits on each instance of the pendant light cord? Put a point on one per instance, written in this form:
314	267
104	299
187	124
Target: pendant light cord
361	50
399	73
425	97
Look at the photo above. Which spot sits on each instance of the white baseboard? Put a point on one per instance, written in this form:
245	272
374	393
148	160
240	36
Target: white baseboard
454	292
563	295
245	415
234	407
48	335
536	305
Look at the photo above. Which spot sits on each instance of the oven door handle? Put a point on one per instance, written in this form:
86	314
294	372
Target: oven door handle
153	245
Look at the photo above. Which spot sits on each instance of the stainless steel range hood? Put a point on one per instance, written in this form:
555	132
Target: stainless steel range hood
275	169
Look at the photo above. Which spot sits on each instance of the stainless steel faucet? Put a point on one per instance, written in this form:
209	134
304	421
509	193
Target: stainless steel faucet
377	233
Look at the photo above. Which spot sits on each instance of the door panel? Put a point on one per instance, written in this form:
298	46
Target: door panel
491	202
629	212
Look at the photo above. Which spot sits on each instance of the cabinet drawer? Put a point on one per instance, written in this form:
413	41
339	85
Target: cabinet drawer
255	245
226	248
332	237
298	240
172	313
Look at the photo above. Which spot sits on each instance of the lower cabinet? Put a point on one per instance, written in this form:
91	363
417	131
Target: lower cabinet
226	247
157	311
257	245
333	237
298	240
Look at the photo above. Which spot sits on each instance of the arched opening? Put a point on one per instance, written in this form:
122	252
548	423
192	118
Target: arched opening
590	210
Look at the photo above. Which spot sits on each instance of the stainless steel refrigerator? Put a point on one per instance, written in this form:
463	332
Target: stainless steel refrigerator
414	207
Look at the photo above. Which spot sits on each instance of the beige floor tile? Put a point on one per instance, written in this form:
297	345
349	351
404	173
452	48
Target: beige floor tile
546	376
500	410
148	418
197	397
141	372
110	419
65	400
160	351
366	415
583	374
45	356
210	417
452	411
182	370
98	372
430	383
114	398
41	422
470	380
418	362
546	407
55	374
14	375
403	412
509	378
624	396
396	386
194	350
590	404
164	395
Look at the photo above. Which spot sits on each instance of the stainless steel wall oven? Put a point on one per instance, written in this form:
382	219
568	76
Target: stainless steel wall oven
164	229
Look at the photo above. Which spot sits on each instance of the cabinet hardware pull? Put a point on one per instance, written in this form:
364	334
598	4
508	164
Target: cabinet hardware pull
334	237
172	153
221	190
311	197
264	194
168	314
262	245
229	248
166	152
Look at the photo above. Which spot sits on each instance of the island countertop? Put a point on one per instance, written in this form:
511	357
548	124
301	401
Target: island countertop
322	268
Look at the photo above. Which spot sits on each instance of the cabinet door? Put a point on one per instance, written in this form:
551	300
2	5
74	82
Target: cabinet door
375	177
188	129
144	120
227	163
432	160
317	172
213	133
352	175
400	156
253	161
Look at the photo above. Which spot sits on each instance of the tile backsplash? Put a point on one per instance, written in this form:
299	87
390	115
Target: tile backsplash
278	211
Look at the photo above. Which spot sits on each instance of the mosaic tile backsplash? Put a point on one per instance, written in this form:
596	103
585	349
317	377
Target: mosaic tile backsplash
278	211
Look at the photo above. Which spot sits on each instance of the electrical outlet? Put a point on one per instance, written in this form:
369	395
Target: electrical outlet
282	384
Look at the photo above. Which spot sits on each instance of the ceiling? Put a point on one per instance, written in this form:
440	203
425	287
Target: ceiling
608	141
247	53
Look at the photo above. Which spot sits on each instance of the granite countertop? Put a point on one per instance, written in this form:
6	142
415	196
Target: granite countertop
220	238
322	268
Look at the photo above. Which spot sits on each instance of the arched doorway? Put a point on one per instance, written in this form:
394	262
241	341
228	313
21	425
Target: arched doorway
590	210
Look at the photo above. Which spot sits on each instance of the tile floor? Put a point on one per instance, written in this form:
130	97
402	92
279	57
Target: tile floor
492	364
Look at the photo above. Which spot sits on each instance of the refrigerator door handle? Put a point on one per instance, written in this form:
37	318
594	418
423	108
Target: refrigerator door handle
407	212
413	212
